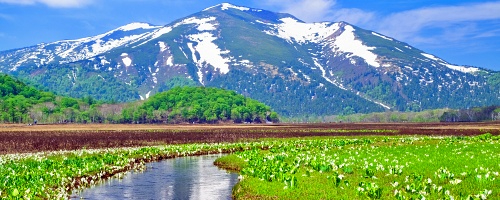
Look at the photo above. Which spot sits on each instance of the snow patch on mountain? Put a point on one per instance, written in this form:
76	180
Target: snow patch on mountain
454	67
225	6
381	104
244	63
74	50
170	60
206	9
323	74
203	23
193	52
348	43
137	25
209	52
155	80
184	53
432	57
305	76
104	61
126	60
67	51
101	46
163	46
462	68
195	60
20	62
153	35
161	31
293	30
206	27
384	37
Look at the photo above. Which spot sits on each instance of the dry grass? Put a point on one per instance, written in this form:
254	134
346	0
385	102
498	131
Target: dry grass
136	127
21	138
124	127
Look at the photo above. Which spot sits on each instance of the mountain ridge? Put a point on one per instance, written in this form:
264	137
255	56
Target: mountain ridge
330	67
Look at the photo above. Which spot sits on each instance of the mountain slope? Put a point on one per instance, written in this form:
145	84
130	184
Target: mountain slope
295	67
67	51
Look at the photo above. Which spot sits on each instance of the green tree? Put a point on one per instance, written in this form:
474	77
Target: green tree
273	117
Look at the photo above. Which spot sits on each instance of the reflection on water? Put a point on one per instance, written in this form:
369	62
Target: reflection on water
180	178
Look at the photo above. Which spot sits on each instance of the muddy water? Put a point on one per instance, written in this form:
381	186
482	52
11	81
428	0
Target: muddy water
181	178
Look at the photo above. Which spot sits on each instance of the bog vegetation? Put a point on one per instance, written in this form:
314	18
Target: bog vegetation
363	167
20	103
371	168
54	175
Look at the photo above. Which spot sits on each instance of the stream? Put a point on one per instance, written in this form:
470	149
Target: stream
192	177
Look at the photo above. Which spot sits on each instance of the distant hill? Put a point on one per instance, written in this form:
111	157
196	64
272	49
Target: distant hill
200	105
297	68
20	103
16	98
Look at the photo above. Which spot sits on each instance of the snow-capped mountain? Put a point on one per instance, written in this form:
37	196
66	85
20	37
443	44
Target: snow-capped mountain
296	67
67	51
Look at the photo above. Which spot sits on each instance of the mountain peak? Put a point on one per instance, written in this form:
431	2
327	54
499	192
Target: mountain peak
227	6
137	25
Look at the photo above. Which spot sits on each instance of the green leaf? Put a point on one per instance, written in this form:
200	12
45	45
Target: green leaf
15	192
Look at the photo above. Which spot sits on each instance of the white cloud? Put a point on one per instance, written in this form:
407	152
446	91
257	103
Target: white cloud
307	10
407	24
51	3
489	33
353	16
5	17
319	10
310	10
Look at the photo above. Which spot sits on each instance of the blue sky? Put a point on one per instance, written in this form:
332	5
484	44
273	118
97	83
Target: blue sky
463	32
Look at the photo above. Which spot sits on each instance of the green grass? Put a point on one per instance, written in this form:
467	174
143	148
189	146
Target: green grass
231	162
361	167
53	175
375	168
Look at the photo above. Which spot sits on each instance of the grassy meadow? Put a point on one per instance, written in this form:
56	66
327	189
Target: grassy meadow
321	161
370	168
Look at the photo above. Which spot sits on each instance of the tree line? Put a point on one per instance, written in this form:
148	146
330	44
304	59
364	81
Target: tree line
375	117
20	103
476	114
199	105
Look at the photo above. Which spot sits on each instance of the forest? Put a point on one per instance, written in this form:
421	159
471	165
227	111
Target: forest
20	103
476	114
199	105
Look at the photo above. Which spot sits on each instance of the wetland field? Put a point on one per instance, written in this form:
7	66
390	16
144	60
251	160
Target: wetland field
284	161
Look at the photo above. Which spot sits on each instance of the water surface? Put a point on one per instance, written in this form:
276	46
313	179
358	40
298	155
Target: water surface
193	177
